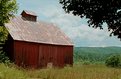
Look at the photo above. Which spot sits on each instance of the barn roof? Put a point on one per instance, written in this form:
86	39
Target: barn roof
38	32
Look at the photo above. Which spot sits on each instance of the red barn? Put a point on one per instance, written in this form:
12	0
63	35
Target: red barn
36	44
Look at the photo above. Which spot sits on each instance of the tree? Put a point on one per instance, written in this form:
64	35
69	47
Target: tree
113	61
7	10
98	12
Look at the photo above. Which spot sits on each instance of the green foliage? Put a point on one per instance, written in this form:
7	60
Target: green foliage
3	38
97	12
113	61
7	10
94	54
3	58
3	35
86	63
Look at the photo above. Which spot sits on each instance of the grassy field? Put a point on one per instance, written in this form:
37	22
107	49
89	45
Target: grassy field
75	72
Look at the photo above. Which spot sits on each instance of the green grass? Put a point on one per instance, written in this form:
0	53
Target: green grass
76	72
11	72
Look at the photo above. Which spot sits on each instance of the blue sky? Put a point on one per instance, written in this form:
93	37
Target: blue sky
73	26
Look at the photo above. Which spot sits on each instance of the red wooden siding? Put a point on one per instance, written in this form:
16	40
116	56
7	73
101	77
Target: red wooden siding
25	54
39	55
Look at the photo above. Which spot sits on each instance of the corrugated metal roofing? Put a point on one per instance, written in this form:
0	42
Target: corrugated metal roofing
38	32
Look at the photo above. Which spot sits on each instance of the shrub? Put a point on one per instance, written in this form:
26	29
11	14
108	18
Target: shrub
4	58
113	61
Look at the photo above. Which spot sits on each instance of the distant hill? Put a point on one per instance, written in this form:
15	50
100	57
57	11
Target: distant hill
94	53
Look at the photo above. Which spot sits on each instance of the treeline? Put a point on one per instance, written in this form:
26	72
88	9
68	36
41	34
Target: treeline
94	54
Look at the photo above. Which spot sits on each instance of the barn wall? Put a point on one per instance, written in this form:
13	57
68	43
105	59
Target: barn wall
40	55
26	54
58	55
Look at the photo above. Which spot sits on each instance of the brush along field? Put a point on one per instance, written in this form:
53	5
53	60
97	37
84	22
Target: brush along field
75	72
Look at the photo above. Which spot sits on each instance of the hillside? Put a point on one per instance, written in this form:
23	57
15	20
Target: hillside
94	53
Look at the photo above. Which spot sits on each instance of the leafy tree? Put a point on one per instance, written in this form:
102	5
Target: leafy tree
97	12
7	10
113	61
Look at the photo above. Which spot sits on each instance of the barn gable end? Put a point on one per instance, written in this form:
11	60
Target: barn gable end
37	44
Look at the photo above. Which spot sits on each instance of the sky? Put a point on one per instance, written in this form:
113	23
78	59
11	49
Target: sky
74	27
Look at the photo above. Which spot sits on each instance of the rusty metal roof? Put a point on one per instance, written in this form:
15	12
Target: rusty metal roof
38	32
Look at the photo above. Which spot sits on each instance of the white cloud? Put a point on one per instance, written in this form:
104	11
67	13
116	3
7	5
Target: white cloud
73	27
79	31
